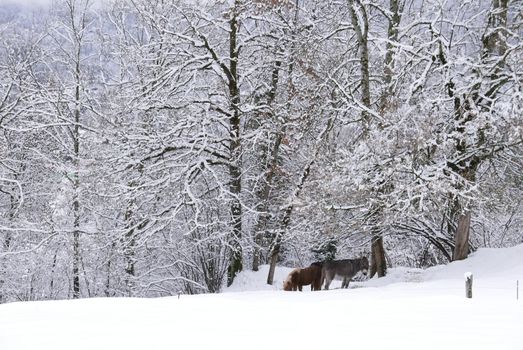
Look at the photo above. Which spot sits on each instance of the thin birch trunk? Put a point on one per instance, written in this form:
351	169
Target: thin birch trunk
235	167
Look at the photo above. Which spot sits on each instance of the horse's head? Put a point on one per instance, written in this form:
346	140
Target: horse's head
287	284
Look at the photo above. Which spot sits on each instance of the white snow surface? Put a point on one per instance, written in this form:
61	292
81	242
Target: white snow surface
408	309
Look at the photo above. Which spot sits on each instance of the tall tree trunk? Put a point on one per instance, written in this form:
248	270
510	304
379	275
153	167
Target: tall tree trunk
264	216
360	22
235	167
378	261
494	47
76	181
388	66
263	197
235	147
274	250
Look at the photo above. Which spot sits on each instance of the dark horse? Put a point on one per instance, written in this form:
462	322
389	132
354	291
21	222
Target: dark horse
346	268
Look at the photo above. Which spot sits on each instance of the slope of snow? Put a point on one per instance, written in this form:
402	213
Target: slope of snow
256	281
408	309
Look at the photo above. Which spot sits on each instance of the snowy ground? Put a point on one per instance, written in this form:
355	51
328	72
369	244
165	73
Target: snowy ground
409	309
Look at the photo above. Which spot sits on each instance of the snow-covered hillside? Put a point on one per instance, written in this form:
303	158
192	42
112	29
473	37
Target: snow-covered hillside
408	309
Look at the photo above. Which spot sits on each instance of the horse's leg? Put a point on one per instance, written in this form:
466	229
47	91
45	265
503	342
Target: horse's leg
317	280
328	280
300	287
318	284
315	285
324	278
327	283
344	283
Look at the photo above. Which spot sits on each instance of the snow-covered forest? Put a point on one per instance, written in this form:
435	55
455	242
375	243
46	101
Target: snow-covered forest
157	147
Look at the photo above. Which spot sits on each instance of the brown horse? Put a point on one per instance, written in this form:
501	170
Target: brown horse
298	278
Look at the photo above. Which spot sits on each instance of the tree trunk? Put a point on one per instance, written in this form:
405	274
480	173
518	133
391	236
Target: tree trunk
235	167
461	248
494	46
6	244
388	67
76	253
107	287
378	262
76	180
129	246
360	23
275	251
275	254
264	216
261	224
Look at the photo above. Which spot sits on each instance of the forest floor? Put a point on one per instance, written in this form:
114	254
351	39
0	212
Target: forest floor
408	309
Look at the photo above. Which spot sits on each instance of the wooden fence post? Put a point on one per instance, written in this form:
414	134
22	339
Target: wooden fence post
468	285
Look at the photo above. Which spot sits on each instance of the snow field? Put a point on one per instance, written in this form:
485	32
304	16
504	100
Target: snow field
408	309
